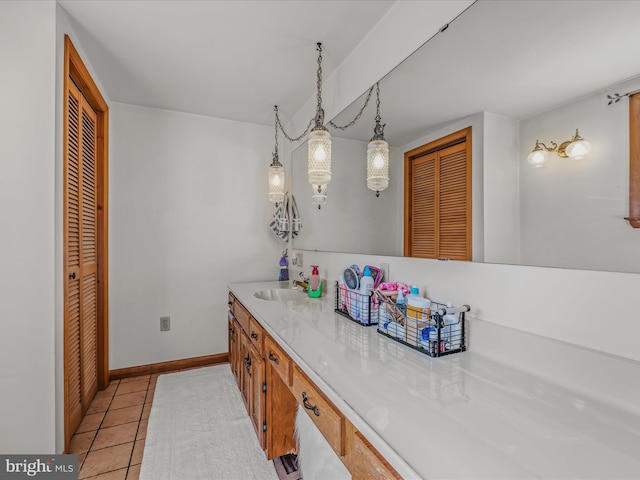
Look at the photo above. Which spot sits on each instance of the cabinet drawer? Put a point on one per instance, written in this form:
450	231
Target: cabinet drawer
366	463
242	315
278	360
326	417
256	335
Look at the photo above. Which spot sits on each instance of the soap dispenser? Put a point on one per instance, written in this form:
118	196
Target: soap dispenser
284	268
315	284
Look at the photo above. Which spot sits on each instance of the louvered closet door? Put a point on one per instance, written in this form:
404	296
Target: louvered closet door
81	257
423	207
454	232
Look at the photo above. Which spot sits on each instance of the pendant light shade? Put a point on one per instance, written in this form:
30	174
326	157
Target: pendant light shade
276	171
319	194
319	163
377	166
378	154
276	181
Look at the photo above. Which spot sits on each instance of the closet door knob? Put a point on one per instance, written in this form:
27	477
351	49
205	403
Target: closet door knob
73	276
254	335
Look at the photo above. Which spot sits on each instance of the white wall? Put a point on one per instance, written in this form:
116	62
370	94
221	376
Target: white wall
573	211
353	219
501	189
27	127
189	213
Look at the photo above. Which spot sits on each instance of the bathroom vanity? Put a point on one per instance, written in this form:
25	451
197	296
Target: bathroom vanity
390	412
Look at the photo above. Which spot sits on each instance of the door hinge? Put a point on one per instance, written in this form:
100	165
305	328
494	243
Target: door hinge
264	426
264	387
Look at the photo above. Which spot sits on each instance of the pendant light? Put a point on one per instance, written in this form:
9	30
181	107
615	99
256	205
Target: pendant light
378	155
276	173
319	143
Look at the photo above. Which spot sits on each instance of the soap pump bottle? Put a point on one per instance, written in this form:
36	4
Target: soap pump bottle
315	284
400	302
284	268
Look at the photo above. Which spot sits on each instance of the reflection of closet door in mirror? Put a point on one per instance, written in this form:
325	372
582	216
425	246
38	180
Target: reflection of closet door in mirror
438	198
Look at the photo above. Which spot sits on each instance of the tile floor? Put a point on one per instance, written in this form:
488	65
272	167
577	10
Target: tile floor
110	439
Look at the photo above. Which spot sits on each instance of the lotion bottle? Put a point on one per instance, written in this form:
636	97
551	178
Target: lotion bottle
315	284
366	287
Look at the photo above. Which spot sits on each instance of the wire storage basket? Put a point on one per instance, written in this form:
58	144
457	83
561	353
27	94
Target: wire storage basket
436	331
356	306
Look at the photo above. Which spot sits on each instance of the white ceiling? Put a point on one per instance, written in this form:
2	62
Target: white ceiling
513	58
227	59
236	59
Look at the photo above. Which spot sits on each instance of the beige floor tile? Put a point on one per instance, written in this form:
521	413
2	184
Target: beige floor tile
106	460
142	430
135	379
81	442
128	400
134	472
122	415
99	405
90	422
105	393
129	387
138	449
107	437
146	411
115	475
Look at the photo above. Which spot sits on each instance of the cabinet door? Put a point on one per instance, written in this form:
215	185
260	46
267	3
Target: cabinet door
257	394
280	414
233	347
245	370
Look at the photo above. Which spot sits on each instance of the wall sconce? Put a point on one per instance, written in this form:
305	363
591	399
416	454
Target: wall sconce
576	148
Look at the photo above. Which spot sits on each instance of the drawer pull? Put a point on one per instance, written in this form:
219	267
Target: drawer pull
308	406
230	304
247	364
254	335
273	358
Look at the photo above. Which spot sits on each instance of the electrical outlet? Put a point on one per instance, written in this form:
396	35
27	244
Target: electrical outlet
296	259
385	271
165	324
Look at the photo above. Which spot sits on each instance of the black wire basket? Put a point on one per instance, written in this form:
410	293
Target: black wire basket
437	331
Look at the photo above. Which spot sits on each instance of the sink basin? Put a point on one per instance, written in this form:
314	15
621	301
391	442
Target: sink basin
280	294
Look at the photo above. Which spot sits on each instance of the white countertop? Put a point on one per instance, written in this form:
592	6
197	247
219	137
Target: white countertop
459	416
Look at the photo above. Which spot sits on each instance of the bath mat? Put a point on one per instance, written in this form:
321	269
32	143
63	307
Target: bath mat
199	430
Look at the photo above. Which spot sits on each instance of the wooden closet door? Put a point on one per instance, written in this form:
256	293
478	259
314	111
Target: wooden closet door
81	257
424	214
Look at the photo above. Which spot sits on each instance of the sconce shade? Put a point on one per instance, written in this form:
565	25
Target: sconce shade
319	194
319	163
276	183
377	165
537	158
578	149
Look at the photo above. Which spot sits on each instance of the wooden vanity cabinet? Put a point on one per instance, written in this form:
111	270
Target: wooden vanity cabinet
272	386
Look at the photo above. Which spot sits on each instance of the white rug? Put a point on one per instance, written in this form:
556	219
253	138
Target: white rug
199	429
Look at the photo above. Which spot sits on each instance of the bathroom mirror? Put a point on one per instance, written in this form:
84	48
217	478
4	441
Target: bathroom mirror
515	72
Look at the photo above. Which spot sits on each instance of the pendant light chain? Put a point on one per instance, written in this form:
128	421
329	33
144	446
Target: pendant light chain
357	117
276	160
319	111
378	129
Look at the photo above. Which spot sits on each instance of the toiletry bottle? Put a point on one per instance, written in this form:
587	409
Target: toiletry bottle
315	284
452	330
414	290
400	303
284	268
315	278
366	282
